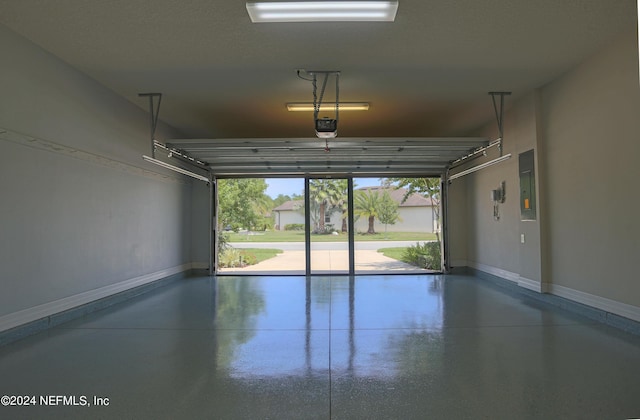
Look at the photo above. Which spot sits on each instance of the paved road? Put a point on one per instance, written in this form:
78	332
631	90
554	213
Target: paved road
324	246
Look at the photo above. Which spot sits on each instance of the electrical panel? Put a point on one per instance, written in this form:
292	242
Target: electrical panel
527	185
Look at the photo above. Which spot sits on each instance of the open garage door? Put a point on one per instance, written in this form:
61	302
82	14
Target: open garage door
329	225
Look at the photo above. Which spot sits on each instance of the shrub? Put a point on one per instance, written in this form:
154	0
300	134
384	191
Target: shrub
433	258
248	258
223	241
328	230
294	226
230	257
426	255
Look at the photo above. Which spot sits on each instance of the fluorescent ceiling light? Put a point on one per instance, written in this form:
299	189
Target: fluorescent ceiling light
323	11
344	106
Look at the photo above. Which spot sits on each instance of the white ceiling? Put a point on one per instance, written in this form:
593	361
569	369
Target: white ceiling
426	75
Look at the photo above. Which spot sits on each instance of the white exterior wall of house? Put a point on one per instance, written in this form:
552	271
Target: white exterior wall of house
413	219
415	216
286	217
335	220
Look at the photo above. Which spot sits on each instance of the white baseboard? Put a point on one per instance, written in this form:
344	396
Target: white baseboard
200	265
507	275
607	305
598	302
458	263
25	316
534	285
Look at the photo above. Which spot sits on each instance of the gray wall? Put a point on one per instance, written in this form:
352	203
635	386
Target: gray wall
80	210
584	128
458	230
200	224
495	244
591	120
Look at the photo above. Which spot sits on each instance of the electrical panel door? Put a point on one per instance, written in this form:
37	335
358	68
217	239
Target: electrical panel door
527	186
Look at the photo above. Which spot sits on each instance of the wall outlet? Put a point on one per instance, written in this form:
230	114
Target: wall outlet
522	238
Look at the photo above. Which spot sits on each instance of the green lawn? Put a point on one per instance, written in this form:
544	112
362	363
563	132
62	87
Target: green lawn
298	236
262	254
395	253
235	257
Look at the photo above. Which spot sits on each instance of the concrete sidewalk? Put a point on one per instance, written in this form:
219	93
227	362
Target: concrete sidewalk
343	245
367	261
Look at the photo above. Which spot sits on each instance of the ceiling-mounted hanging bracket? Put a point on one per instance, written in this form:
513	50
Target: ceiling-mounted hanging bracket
326	128
314	72
182	157
154	110
178	154
499	110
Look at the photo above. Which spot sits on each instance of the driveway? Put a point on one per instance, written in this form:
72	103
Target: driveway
327	261
299	246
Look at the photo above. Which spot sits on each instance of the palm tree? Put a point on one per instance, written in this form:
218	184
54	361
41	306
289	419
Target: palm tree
327	194
341	203
262	206
367	204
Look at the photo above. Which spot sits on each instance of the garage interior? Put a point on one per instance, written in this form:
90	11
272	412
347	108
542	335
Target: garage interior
106	258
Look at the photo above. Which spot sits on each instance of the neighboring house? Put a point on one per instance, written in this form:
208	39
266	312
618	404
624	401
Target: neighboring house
416	213
289	212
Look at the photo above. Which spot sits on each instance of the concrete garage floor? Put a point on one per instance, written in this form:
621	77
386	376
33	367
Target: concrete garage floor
328	347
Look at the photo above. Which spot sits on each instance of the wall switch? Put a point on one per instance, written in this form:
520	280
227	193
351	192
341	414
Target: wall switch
522	238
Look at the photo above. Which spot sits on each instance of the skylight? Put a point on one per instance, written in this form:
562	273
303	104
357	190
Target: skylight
323	11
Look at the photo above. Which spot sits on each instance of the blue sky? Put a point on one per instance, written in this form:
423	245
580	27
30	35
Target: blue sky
289	186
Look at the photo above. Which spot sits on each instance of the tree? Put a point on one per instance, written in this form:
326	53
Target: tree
319	195
342	204
326	194
262	206
241	202
426	187
281	199
388	211
367	204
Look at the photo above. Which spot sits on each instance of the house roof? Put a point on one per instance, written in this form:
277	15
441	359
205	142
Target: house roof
290	205
397	194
